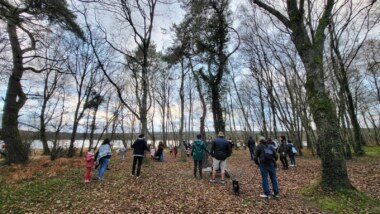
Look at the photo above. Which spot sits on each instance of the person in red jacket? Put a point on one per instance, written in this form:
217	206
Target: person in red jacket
90	161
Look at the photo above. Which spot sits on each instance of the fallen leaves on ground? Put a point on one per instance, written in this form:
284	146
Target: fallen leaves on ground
170	187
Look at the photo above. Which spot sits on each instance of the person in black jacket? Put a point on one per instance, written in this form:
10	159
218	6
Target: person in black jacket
265	157
251	145
220	151
139	147
283	150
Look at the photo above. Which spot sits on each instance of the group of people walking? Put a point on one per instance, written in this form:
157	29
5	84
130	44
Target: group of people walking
265	155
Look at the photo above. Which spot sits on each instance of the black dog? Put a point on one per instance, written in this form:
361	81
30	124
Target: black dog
236	187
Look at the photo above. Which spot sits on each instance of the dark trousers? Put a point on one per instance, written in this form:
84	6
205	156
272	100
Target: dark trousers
251	151
284	161
137	160
199	164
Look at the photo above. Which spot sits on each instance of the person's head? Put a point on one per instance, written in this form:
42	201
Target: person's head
289	141
250	137
106	141
92	150
199	136
282	137
220	134
269	141
262	139
141	136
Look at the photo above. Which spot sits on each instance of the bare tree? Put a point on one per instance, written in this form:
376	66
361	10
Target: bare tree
25	18
308	38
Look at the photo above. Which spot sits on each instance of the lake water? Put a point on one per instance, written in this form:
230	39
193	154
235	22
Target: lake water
37	144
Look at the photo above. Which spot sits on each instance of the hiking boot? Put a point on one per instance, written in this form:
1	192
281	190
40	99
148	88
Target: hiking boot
264	196
212	181
277	195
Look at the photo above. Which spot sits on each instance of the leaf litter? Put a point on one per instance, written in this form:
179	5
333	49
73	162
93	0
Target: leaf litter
170	187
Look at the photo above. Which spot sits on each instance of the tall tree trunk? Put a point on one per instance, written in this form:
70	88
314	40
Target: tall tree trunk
219	123
182	110
93	127
15	99
310	49
264	130
43	137
376	129
341	74
334	169
203	116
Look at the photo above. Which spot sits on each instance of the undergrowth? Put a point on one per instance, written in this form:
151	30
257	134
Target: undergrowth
341	201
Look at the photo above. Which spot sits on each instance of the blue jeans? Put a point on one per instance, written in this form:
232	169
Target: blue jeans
292	160
103	166
270	169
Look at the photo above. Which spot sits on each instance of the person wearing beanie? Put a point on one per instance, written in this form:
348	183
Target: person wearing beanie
139	147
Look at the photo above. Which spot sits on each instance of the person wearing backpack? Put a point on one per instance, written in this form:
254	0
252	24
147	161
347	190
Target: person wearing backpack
283	150
265	157
292	151
197	153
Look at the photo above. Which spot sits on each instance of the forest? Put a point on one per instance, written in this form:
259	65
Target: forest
85	70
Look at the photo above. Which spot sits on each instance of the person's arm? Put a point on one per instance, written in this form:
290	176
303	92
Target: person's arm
229	149
205	148
212	149
275	155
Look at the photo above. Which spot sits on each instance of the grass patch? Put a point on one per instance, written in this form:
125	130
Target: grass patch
372	153
37	192
372	149
341	201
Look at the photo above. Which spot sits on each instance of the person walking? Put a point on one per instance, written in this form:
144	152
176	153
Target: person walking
152	151
175	151
102	157
251	145
292	151
122	152
90	162
139	147
220	151
171	150
265	157
283	150
197	153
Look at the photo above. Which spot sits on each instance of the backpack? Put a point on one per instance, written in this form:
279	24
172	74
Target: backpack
294	150
267	154
197	149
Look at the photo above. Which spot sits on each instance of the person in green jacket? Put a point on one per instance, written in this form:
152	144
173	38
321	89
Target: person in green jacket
197	153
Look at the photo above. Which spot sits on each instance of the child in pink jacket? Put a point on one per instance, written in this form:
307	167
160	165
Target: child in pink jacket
90	161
